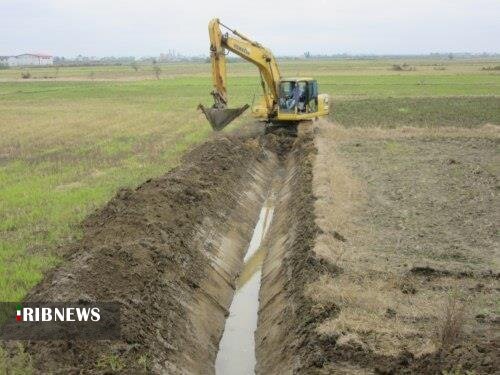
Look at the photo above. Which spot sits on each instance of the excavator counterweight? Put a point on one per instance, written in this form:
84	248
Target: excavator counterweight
285	101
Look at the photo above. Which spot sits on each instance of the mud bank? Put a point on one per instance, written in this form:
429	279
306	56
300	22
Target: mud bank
169	252
320	262
286	316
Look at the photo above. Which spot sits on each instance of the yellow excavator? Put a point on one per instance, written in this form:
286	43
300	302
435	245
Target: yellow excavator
285	101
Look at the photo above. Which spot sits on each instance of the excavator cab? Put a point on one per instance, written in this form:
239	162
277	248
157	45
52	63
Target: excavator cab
298	96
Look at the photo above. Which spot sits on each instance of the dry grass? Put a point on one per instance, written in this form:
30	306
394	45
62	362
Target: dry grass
382	305
451	329
338	193
340	133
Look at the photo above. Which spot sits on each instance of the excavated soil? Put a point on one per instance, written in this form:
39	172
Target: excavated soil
285	314
168	251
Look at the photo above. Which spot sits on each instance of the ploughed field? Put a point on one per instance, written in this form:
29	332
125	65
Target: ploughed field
381	255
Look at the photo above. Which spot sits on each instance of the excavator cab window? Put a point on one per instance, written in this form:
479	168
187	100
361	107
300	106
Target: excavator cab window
298	95
287	101
301	93
312	97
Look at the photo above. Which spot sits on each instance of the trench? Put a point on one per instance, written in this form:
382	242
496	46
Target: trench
252	330
233	303
197	259
236	353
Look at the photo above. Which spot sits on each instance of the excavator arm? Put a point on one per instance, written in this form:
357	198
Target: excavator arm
219	115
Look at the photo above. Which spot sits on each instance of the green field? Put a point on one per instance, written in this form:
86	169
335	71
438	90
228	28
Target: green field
70	137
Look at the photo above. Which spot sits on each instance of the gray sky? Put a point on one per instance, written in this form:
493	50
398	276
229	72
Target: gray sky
287	27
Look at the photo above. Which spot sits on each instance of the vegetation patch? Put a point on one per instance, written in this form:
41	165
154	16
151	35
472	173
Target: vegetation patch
417	112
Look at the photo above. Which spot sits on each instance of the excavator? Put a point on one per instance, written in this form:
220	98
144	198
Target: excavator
285	101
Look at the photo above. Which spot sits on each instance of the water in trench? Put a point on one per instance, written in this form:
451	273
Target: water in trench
237	347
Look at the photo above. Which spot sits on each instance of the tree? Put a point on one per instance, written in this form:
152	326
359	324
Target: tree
156	70
134	66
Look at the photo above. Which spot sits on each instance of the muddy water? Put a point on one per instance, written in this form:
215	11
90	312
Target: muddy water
237	347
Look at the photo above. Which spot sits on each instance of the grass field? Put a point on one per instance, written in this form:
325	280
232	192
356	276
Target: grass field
71	140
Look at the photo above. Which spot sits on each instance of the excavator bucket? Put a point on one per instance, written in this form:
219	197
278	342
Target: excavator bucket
219	118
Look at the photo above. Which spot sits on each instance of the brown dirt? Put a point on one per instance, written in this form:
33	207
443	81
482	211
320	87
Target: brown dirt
152	249
170	252
284	313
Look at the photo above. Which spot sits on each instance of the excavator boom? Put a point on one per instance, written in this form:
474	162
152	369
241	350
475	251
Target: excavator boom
219	115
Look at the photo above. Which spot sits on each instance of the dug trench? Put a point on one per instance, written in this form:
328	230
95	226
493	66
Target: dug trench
170	252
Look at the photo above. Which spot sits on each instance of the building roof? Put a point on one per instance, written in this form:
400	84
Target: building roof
34	54
38	55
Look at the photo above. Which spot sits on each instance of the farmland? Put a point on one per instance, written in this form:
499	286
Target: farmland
73	136
68	143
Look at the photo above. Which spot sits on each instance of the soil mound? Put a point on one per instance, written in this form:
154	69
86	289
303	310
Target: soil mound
139	250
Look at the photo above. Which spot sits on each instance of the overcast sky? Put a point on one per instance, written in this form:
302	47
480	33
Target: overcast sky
287	27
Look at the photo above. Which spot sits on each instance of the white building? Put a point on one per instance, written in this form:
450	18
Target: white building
27	59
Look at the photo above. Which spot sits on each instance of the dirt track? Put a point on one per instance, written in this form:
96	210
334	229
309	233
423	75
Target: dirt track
338	250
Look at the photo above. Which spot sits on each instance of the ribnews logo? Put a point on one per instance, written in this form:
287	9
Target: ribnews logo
59	321
57	314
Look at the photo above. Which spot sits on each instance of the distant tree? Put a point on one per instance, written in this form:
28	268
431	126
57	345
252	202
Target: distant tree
135	66
307	55
156	70
450	56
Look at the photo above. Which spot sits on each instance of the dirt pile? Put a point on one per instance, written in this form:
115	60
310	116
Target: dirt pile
284	337
150	249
